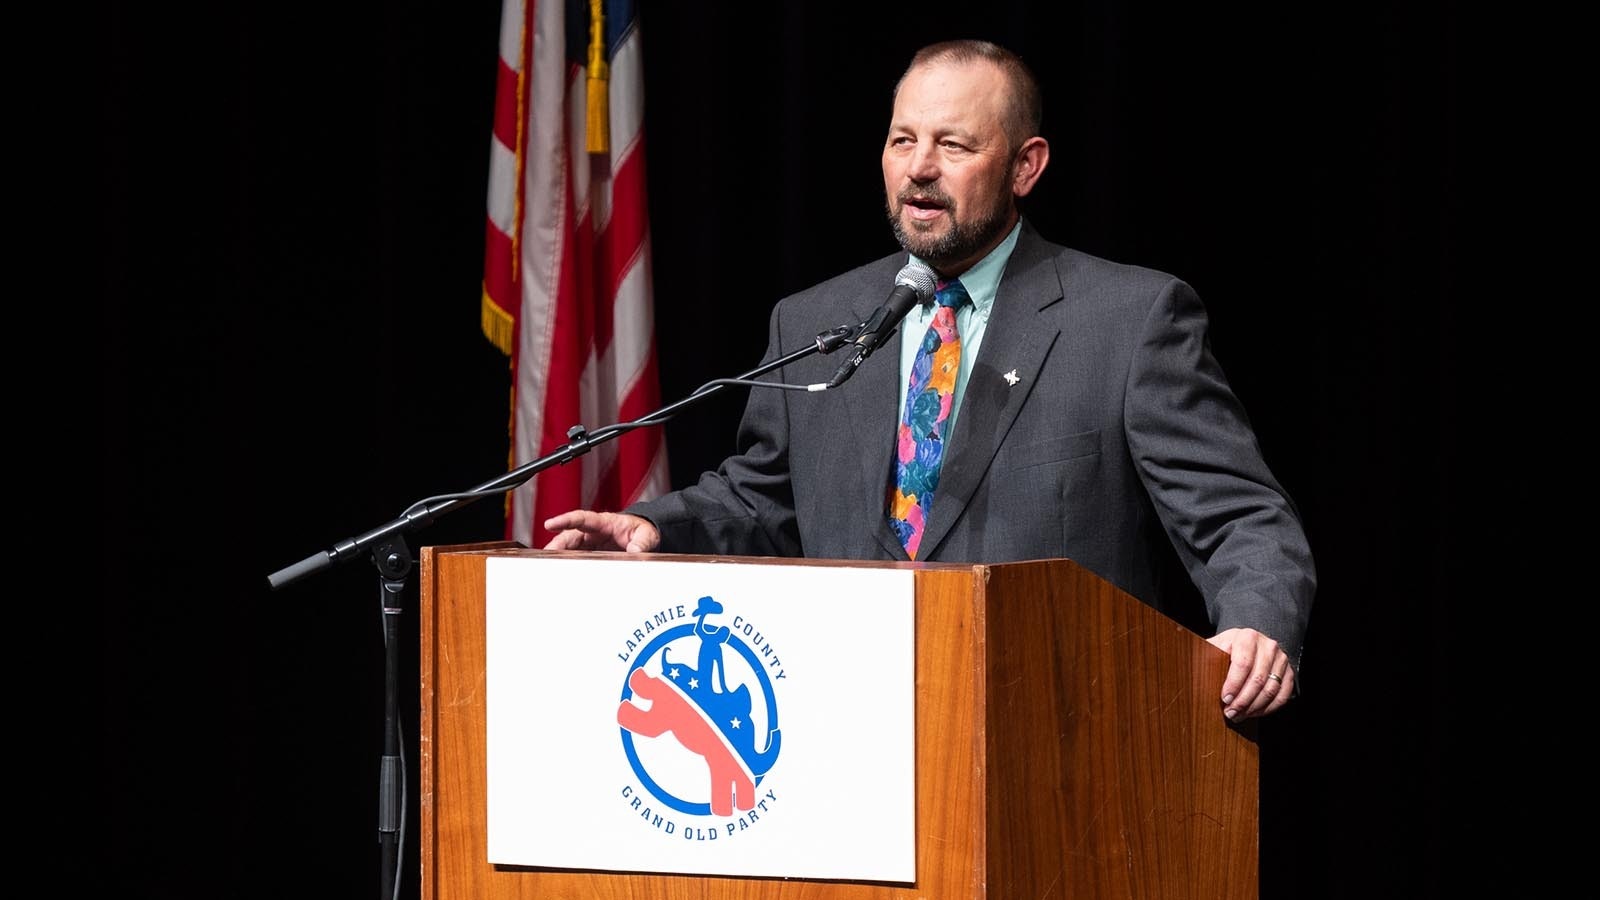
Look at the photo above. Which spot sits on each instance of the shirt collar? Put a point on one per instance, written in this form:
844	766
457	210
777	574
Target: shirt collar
982	281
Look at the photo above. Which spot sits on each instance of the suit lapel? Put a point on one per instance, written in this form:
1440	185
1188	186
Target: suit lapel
871	395
1017	339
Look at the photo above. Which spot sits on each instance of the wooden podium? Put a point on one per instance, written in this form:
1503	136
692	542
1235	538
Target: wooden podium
1115	777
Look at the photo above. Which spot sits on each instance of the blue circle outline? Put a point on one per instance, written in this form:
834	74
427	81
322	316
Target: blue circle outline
648	653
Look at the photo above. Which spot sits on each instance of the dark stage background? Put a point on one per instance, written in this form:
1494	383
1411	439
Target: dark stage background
287	248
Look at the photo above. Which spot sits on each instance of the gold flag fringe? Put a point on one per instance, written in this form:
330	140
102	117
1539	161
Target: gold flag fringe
498	325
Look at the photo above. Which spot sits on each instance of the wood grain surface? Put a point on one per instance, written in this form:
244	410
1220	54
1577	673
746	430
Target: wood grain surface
1068	744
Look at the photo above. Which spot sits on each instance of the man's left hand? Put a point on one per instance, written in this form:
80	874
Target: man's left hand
1260	679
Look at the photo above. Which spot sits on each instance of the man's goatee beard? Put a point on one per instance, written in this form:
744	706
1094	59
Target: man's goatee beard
961	241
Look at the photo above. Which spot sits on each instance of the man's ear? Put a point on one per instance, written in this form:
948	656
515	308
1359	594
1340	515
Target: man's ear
1028	165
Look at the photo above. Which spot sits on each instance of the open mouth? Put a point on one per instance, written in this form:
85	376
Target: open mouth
923	208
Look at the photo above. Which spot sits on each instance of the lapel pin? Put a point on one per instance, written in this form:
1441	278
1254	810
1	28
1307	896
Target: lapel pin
1011	378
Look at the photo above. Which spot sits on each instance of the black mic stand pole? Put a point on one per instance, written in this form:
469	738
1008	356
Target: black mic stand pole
387	548
393	560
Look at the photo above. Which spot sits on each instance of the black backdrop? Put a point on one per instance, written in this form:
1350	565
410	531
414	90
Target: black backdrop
287	248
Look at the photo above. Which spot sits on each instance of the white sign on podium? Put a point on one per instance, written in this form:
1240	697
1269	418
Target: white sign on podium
701	718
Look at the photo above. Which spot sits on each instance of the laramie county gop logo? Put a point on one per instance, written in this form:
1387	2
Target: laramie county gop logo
700	722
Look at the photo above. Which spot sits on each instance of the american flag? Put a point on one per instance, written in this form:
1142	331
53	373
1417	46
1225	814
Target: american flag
566	289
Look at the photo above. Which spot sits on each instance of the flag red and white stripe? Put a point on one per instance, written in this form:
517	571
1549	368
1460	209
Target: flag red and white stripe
567	291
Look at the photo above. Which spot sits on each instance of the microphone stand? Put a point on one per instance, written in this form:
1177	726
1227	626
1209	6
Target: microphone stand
386	546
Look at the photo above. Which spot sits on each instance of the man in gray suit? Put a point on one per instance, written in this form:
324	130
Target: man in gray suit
1077	411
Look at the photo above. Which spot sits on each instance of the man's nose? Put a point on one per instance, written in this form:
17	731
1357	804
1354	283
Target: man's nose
924	164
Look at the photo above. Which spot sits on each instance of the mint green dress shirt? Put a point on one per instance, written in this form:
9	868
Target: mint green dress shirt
982	281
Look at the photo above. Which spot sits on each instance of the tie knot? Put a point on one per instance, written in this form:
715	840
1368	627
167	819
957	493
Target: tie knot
951	293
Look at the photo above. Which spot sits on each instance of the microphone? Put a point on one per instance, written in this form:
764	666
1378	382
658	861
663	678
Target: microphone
914	285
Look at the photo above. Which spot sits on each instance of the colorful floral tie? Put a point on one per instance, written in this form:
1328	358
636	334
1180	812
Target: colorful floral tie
919	444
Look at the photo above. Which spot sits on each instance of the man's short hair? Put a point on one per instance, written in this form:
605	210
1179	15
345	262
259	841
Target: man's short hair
1024	109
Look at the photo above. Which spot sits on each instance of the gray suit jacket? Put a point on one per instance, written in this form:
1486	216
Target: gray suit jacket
1120	436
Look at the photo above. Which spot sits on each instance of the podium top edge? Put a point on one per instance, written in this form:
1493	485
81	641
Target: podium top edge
508	549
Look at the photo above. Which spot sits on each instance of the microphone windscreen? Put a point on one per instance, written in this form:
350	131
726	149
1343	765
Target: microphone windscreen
919	278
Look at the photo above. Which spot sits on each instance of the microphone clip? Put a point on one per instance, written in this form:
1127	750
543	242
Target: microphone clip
837	336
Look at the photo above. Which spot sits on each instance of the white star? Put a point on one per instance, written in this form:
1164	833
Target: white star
735	724
694	683
674	673
1011	377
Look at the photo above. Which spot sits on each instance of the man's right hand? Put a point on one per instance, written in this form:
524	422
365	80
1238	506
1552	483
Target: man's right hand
583	529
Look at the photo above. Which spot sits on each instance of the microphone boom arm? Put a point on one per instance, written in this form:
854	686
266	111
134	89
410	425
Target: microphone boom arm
580	441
